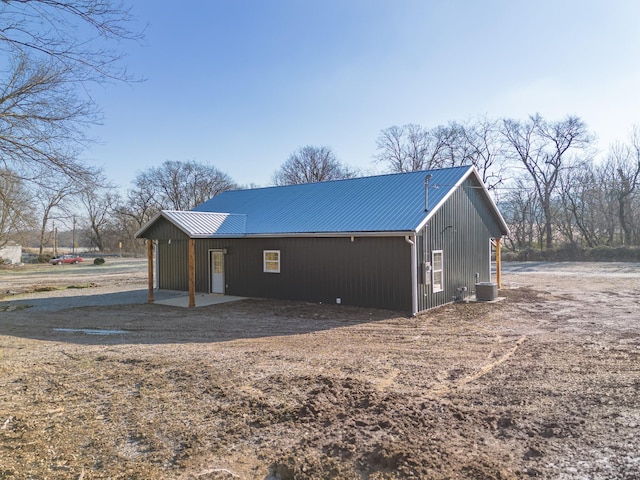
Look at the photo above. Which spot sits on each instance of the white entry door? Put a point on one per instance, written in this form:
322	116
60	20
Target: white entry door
217	272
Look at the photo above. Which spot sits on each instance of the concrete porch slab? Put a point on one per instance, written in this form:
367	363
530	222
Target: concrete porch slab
202	300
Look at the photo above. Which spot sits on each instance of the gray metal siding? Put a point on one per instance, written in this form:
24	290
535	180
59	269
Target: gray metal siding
163	229
173	265
172	245
462	229
370	271
485	211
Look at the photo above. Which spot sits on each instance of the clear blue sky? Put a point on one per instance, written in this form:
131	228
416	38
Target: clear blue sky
241	84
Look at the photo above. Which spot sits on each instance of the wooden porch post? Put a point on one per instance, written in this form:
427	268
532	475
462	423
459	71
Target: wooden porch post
150	269
498	264
192	273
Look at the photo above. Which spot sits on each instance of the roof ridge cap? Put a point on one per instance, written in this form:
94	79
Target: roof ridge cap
364	177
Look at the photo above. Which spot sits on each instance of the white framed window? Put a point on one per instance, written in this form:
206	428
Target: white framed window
437	283
271	261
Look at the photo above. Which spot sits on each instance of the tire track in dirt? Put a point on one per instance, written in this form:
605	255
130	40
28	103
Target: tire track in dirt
445	387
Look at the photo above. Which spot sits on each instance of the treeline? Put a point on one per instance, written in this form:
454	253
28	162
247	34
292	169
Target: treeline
561	197
99	217
551	184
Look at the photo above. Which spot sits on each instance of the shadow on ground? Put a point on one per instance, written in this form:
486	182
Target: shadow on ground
126	318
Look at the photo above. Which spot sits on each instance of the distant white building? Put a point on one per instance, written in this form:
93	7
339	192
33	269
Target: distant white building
11	253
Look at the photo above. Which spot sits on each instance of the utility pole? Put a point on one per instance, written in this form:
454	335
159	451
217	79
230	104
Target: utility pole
73	236
55	240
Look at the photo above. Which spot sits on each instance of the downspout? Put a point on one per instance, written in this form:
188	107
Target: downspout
414	273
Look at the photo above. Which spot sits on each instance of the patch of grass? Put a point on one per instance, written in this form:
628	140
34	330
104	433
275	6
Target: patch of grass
50	288
82	285
12	308
45	288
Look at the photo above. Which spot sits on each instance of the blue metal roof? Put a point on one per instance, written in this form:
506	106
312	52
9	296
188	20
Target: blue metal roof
206	224
200	224
383	203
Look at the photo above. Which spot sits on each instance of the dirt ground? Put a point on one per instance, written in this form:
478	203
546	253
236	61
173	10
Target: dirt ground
544	384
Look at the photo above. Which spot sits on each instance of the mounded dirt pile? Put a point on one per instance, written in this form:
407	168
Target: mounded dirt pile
355	431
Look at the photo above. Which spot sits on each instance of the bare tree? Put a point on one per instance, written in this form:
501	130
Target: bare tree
484	148
606	202
392	150
140	206
544	148
80	36
42	121
419	149
521	210
570	207
16	211
452	148
53	50
130	214
581	206
309	165
179	185
624	166
55	201
411	147
99	207
125	226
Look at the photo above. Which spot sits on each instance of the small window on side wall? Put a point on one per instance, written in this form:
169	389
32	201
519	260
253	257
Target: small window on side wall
437	283
271	261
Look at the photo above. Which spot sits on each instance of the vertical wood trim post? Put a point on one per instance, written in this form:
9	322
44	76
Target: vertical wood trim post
192	273
150	298
498	264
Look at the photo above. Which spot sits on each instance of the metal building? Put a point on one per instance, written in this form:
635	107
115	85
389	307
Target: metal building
407	241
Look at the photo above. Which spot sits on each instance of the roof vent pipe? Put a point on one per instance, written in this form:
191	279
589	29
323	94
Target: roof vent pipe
426	192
